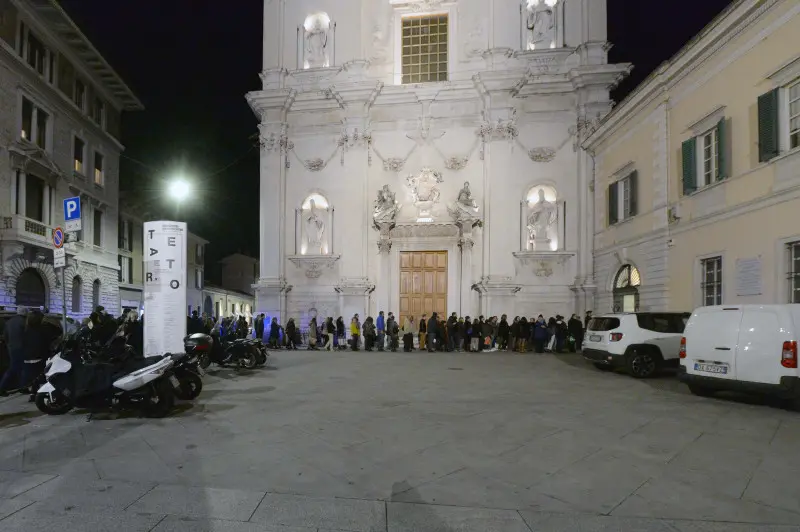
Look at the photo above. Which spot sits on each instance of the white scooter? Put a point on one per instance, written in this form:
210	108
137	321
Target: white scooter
73	384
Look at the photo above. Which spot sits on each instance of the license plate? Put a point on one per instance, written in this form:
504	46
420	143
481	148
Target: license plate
595	338
711	368
174	380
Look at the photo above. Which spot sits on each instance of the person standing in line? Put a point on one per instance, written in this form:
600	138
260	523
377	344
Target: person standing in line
312	334
340	333
260	326
291	331
451	322
13	336
355	333
369	333
393	332
330	329
423	331
576	332
503	332
380	325
408	334
433	333
458	335
36	344
274	333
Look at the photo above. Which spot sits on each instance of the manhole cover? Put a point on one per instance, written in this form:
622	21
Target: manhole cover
455	369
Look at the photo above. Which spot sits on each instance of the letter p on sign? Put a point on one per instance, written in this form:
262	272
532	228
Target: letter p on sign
72	214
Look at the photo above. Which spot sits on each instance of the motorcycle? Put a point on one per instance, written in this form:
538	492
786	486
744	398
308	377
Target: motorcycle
222	352
73	383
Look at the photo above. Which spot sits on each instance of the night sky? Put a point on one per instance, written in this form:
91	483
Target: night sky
191	62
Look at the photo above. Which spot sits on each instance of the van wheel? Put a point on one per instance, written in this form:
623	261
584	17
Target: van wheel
700	391
642	363
604	367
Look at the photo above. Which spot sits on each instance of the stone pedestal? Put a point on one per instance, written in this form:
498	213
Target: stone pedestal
354	296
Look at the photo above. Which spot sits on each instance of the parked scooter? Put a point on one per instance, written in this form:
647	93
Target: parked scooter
209	348
74	383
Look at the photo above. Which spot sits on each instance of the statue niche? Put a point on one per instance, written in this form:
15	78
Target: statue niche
316	41
540	24
541	219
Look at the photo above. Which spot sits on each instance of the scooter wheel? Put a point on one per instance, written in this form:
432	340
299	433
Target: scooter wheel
248	360
162	401
191	386
57	407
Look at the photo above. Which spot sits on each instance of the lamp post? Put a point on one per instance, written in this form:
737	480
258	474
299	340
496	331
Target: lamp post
179	190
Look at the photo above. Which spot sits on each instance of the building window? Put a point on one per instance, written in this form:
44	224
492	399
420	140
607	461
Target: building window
198	278
34	198
97	226
35	123
79	155
424	48
794	115
37	55
711	286
79	95
623	198
793	249
99	112
626	289
95	294
198	253
709	149
77	294
125	269
98	169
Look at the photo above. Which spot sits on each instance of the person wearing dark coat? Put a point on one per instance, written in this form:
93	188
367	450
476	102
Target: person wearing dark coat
576	331
503	332
467	334
291	332
36	345
433	333
259	326
274	333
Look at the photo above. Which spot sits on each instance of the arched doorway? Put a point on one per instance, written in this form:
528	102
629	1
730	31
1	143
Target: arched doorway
31	291
626	289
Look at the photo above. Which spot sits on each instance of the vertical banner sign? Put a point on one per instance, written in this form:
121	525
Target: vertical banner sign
164	287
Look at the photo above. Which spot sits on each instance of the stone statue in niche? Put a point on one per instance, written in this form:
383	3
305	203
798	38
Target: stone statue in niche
315	229
316	41
466	206
385	207
541	24
542	216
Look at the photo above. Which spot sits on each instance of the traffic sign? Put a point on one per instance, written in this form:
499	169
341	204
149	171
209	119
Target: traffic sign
58	238
59	258
72	213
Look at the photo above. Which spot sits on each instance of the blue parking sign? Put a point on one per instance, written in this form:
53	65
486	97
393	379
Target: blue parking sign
72	214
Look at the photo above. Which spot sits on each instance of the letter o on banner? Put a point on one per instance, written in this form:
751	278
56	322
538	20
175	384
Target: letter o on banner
174	284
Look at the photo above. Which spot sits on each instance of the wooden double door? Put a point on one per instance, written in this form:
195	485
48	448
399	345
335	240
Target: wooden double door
423	284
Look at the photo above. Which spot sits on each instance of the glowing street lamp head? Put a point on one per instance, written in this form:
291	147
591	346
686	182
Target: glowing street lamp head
179	189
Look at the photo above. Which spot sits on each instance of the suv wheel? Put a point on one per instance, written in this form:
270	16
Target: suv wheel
642	363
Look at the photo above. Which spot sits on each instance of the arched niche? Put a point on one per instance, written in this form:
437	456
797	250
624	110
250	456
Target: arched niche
626	288
542	224
316	41
314	226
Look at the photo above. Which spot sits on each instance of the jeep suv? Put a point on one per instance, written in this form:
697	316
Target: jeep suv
640	342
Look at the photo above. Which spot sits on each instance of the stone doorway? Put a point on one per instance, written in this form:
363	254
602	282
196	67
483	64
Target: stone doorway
423	284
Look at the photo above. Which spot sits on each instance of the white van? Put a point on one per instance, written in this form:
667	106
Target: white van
750	348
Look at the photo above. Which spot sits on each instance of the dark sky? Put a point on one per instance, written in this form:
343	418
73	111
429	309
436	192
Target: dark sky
192	61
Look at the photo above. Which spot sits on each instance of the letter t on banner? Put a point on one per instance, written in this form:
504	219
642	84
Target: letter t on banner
165	277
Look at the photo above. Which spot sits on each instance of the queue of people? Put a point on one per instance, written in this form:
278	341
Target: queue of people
463	334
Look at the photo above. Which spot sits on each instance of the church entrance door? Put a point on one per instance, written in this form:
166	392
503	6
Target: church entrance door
423	284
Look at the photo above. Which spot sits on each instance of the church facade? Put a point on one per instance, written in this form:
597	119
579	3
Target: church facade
424	155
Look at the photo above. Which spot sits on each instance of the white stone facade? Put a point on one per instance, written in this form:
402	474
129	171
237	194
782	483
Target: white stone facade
52	96
508	119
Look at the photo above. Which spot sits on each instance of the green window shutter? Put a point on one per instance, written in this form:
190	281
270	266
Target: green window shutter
613	203
633	192
689	152
723	158
768	134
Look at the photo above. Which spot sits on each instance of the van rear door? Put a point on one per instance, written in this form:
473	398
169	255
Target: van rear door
761	337
711	337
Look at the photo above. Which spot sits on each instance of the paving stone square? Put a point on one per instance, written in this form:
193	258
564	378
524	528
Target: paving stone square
396	442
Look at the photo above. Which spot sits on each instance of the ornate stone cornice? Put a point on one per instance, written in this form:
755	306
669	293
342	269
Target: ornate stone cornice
425	230
543	263
313	265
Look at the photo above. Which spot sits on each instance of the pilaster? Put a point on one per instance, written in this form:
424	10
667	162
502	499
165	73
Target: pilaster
384	283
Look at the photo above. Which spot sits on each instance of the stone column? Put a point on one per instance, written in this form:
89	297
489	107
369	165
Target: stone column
384	284
46	205
21	194
271	286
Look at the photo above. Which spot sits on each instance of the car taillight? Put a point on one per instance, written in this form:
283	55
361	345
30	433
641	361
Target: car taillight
616	337
682	352
789	355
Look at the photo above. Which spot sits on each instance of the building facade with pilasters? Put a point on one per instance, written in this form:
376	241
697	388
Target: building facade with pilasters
60	112
698	171
424	155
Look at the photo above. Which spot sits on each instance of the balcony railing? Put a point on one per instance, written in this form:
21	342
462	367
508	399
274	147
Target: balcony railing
21	228
36	228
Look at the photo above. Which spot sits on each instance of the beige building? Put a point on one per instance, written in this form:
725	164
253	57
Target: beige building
697	172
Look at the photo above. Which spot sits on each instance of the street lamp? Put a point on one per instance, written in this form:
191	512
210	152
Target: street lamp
179	190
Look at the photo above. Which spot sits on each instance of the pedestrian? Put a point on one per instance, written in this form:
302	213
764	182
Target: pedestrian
369	333
503	331
260	326
540	334
576	333
274	333
340	333
291	334
408	334
432	333
13	336
380	325
330	331
36	345
423	331
355	333
393	332
312	334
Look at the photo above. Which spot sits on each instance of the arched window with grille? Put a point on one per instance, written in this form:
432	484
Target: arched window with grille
626	289
77	294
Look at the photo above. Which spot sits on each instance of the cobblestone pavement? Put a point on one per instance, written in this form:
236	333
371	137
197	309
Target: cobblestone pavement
409	442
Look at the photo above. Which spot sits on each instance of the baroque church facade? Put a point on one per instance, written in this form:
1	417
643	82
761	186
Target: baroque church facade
424	155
